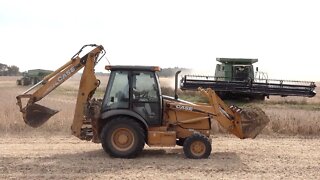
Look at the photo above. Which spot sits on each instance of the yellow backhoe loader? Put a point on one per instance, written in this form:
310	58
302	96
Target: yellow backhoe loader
134	112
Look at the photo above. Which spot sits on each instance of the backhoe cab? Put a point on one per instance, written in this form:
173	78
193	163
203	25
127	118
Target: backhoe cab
133	111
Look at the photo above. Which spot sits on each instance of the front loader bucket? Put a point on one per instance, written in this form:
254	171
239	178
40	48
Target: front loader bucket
35	115
253	120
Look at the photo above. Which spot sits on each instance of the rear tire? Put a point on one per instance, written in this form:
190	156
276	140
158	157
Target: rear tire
123	137
197	146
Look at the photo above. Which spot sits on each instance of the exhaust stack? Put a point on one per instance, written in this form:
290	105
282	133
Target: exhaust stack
176	85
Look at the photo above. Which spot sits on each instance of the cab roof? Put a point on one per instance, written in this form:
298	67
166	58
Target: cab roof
132	68
237	60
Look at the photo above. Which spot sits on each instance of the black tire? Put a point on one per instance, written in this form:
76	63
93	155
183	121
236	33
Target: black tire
18	82
180	141
34	81
128	131
197	146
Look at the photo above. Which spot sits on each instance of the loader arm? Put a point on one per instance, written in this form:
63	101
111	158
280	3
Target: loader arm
35	115
243	123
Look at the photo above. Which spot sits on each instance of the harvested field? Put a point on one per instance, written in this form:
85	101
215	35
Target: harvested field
288	147
65	157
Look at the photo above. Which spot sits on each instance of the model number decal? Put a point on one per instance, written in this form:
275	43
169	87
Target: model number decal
186	108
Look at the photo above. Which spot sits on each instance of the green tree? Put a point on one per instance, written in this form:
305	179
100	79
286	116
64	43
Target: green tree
13	70
6	70
3	69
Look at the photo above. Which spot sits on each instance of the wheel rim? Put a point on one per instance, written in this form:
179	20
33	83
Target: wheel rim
198	148
122	139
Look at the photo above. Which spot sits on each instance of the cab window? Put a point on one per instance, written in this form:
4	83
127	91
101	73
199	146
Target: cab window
117	95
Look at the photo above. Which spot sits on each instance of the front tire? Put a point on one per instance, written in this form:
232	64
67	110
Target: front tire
123	137
197	146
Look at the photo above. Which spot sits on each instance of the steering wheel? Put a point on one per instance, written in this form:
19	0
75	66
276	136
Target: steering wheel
141	94
144	94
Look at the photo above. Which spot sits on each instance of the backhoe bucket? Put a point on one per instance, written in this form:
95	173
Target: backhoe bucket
35	115
253	120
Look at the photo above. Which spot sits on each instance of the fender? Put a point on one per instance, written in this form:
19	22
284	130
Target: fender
115	112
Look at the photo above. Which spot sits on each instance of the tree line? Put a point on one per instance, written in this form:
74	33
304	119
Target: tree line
6	70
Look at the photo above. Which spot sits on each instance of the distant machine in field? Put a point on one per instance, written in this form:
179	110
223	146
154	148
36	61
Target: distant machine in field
32	77
235	78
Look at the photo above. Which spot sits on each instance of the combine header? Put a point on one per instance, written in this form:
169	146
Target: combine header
235	78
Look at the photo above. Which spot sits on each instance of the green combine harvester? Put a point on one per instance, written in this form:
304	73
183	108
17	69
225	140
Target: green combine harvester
32	77
235	78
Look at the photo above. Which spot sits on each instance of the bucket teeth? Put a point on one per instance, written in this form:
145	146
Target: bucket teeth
236	109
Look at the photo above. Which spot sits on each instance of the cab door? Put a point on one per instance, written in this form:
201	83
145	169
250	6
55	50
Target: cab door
145	96
117	93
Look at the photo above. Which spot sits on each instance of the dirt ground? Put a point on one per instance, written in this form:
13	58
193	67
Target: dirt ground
26	154
65	157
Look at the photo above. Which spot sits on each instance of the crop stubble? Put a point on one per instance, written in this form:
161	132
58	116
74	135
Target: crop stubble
50	152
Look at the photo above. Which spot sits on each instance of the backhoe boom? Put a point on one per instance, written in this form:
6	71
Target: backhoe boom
35	115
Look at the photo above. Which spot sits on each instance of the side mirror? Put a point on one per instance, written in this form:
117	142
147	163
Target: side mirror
257	69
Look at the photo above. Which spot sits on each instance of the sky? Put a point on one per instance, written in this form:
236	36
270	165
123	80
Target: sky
283	34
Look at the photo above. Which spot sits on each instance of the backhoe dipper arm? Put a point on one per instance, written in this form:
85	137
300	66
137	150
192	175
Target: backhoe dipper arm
35	115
